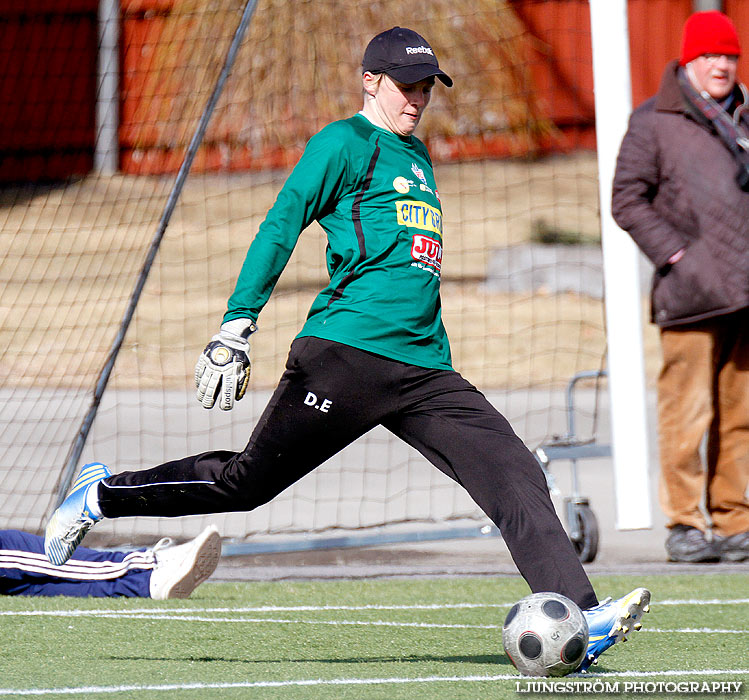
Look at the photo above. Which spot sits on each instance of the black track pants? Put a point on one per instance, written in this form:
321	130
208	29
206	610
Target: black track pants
329	395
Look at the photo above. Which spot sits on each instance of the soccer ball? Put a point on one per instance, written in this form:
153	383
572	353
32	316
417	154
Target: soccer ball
545	634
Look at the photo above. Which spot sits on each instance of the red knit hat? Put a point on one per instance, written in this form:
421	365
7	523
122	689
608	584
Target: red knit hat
708	32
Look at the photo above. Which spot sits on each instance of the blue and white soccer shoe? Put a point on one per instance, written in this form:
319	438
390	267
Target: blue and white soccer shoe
611	622
72	520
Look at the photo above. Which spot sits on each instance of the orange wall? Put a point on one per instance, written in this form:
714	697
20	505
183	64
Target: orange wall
654	40
560	60
561	57
48	78
47	88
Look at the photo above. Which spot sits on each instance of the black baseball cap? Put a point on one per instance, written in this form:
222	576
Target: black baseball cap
404	55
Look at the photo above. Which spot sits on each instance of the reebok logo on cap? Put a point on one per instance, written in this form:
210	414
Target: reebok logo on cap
419	49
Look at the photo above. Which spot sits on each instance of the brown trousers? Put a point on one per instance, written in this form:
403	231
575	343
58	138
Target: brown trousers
703	390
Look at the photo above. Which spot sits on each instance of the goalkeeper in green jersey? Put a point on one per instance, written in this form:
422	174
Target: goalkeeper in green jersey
373	350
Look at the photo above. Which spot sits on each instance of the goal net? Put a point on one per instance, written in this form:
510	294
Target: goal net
513	151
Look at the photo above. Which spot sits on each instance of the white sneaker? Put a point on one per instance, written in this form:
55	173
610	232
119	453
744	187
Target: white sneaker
179	570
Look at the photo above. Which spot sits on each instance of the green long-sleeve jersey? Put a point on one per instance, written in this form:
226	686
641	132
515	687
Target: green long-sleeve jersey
374	195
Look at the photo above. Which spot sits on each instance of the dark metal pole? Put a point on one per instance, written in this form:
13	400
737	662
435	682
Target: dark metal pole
705	5
101	384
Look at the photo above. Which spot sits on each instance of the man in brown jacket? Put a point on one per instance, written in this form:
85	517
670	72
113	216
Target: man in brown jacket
681	190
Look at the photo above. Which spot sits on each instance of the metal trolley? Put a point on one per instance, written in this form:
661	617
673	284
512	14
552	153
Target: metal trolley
581	520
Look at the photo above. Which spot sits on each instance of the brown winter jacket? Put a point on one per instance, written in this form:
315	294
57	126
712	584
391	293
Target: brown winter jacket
675	188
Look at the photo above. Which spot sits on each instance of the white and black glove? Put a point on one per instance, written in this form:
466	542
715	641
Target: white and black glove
223	370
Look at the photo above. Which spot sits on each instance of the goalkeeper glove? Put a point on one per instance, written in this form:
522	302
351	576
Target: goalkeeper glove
223	369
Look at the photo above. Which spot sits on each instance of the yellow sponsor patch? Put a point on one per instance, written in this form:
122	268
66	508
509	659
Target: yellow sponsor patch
419	215
400	184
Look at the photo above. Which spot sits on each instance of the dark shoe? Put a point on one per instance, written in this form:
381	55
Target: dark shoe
735	547
688	544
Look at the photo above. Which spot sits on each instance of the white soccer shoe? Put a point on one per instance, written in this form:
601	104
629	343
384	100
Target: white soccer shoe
73	519
179	570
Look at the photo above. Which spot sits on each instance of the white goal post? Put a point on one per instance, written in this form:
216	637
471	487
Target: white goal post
613	102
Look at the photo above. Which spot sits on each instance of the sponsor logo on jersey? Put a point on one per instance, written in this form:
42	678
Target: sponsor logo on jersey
419	49
427	250
419	215
418	172
402	185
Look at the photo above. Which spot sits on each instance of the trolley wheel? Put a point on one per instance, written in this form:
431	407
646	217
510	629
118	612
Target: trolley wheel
586	544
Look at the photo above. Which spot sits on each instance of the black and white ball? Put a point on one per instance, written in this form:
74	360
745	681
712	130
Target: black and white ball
545	634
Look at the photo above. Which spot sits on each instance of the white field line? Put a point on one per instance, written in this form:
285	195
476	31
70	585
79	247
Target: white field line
588	678
263	608
183	616
208	615
276	621
317	608
712	601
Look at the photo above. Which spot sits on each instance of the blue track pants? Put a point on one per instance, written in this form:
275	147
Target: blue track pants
25	570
